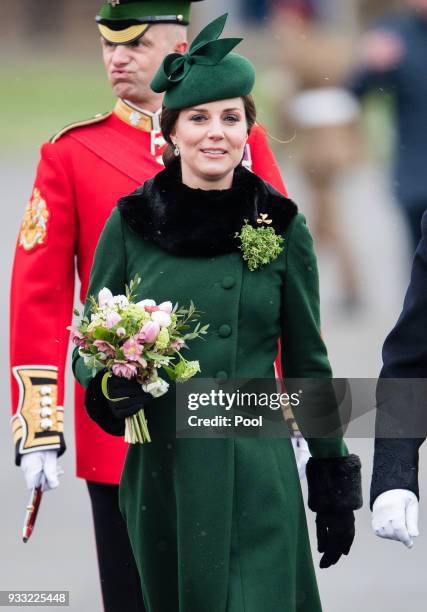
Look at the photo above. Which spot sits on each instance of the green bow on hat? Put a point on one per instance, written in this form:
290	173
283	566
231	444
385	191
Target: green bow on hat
207	72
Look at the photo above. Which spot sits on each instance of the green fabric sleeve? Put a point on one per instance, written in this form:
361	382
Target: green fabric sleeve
108	270
304	353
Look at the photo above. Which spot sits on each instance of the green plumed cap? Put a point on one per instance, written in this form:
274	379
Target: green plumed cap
123	21
207	72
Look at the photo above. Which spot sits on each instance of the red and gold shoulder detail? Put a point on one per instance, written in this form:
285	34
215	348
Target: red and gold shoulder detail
96	119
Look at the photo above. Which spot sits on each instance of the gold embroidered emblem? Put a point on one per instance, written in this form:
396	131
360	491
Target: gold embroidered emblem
33	229
38	421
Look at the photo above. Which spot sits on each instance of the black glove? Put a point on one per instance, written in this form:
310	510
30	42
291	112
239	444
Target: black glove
134	397
334	491
110	416
335	535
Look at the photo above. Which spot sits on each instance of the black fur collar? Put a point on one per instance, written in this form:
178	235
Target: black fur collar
195	222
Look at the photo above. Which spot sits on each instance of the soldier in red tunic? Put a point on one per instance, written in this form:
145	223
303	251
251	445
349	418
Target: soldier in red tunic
82	172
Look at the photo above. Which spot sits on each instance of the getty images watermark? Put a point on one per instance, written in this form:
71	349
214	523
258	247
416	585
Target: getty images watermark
234	401
250	407
358	407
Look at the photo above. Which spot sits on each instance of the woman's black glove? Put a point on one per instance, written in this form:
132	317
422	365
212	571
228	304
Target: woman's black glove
109	415
334	491
335	535
130	394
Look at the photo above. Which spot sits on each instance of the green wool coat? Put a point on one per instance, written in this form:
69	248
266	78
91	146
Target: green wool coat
218	525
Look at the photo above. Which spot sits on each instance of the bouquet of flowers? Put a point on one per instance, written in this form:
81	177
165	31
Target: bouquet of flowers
134	340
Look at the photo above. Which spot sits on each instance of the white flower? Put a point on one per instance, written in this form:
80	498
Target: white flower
166	307
120	300
105	297
162	362
157	388
162	318
144	303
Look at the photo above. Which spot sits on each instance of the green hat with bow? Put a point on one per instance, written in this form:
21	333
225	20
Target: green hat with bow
123	21
207	72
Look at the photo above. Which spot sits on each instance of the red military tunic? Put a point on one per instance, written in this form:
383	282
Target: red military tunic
82	173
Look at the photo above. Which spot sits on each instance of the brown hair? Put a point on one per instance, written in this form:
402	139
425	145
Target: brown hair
169	118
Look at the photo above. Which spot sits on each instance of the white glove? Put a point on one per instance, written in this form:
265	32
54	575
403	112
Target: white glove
302	454
395	516
41	468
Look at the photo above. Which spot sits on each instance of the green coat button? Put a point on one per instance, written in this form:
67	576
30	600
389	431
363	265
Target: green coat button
224	331
221	375
228	282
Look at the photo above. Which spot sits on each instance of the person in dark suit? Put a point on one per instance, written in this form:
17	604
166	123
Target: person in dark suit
394	488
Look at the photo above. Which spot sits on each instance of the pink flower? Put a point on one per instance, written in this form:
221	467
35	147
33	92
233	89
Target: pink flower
77	337
132	349
166	307
151	308
105	297
149	332
105	347
121	332
178	344
126	370
111	319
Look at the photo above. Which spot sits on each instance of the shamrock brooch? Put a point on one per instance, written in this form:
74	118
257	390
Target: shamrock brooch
259	245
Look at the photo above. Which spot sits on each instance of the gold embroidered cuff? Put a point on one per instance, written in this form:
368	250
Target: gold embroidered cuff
38	423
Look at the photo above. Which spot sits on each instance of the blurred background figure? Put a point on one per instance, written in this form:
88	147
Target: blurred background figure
255	10
325	117
392	60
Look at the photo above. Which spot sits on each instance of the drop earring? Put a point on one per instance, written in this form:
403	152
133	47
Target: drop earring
176	151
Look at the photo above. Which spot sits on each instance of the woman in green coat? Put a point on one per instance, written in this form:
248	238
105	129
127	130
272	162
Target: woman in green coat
218	525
